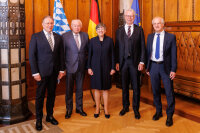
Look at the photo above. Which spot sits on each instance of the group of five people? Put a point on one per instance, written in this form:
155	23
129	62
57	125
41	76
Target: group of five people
52	56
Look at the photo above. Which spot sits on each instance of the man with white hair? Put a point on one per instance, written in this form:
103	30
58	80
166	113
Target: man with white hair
75	47
130	59
162	64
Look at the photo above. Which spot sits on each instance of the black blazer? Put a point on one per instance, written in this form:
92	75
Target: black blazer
137	45
42	59
169	55
75	58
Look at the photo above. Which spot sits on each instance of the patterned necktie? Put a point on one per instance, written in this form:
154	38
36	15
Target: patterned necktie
129	31
77	41
157	54
50	41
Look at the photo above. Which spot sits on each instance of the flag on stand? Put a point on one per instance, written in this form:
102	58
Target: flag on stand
60	21
135	7
94	18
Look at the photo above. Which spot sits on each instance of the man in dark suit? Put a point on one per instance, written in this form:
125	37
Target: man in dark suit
162	64
76	48
130	59
46	57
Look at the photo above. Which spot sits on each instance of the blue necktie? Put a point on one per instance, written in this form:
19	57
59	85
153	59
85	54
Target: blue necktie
157	54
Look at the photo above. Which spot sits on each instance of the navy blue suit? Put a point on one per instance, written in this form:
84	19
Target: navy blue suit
162	71
47	63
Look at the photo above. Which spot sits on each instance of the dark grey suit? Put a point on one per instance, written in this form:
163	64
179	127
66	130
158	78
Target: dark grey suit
75	61
47	63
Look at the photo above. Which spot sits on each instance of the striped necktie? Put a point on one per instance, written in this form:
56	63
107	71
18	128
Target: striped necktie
77	41
50	41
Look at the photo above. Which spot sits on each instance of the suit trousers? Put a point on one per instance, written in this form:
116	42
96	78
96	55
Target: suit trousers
78	78
129	73
157	72
49	83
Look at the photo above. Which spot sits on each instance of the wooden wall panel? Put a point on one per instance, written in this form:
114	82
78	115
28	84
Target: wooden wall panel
70	9
171	10
29	23
107	16
115	17
51	5
41	9
147	17
84	13
158	8
185	10
196	10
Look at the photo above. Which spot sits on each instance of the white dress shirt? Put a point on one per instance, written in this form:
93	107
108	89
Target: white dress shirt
162	35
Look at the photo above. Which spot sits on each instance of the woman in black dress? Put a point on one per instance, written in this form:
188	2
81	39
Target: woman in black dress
101	66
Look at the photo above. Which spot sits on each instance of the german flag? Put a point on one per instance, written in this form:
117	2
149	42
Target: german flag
94	18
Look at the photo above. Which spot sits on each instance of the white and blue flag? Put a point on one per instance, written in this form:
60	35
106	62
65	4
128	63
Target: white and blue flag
60	20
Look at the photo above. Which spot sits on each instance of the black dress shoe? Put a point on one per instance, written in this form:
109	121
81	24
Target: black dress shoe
38	125
96	115
137	115
157	116
81	112
123	111
169	121
52	120
68	114
107	116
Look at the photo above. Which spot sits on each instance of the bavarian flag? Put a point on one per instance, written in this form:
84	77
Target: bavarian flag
135	7
94	18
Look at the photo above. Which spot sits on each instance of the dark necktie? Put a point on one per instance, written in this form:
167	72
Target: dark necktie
50	41
129	31
157	53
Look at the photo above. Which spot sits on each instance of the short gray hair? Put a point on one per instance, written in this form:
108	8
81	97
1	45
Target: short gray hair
101	25
76	20
47	17
129	10
162	20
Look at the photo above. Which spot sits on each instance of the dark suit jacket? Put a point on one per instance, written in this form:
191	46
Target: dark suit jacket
41	57
137	45
169	49
75	58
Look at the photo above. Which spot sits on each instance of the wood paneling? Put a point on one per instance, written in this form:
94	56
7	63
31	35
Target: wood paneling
171	10
196	10
115	17
41	9
107	16
84	13
185	10
147	17
29	23
70	9
158	8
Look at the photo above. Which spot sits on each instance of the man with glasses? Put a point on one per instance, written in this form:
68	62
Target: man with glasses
46	57
130	59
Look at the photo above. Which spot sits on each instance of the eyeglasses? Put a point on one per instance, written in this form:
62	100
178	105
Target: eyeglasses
49	23
128	16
